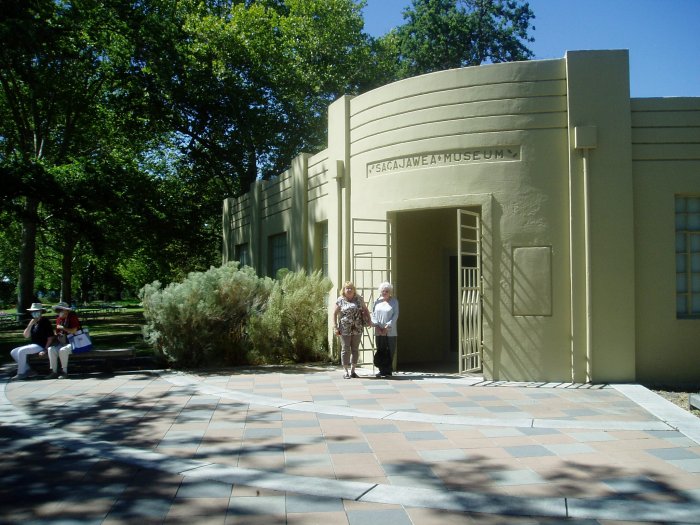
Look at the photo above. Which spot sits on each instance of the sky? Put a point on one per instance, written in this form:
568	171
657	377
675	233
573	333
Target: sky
662	36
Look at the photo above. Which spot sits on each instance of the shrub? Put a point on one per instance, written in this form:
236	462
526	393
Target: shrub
202	321
292	327
229	316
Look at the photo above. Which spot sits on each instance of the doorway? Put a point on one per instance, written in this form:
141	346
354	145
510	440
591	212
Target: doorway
431	293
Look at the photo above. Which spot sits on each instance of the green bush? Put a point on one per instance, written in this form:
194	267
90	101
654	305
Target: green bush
292	327
202	321
230	316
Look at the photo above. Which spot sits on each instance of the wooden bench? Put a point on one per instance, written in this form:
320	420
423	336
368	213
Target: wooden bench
9	320
102	359
97	311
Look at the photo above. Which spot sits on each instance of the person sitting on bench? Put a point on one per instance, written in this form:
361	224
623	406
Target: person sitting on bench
67	323
39	332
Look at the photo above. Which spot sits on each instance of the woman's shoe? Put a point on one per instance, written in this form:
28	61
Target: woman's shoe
347	375
353	374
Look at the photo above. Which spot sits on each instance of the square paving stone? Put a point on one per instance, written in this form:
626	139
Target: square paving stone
303	504
349	448
528	451
192	488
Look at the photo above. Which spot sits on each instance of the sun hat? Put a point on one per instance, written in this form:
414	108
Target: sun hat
62	306
36	307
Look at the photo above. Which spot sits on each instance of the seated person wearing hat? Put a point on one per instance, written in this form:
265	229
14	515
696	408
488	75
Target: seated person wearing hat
41	335
67	323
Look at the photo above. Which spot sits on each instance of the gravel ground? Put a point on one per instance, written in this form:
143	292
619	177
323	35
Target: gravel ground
679	398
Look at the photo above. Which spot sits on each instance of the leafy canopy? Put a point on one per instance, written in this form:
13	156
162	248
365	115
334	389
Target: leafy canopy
445	34
125	124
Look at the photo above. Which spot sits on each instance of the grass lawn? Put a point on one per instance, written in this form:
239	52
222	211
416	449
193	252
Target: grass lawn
119	329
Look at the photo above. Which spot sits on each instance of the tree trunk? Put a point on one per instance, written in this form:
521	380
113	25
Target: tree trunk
67	270
251	170
27	256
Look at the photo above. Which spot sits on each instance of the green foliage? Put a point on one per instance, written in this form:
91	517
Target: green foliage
229	316
245	86
293	325
445	34
202	320
70	129
124	124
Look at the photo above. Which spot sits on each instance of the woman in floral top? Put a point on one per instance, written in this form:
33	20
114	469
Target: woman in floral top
349	316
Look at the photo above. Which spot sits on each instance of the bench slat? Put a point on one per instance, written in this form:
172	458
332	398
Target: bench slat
104	357
94	354
116	352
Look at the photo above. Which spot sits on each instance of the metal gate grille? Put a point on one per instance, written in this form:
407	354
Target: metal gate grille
469	243
372	265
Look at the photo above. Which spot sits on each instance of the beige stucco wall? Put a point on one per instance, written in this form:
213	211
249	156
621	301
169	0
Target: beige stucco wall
516	107
603	329
563	169
666	156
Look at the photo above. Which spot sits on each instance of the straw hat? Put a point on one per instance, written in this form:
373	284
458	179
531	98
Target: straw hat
61	306
36	307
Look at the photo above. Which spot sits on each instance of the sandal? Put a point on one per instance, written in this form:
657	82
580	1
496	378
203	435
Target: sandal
346	376
353	374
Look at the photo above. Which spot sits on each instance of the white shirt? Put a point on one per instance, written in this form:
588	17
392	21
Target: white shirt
386	314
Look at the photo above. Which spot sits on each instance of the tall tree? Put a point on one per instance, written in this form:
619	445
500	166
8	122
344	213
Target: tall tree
65	103
243	87
151	112
444	34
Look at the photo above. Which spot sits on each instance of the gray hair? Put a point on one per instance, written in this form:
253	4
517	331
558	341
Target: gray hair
386	286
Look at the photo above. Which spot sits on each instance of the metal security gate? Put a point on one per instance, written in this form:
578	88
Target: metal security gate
469	283
371	265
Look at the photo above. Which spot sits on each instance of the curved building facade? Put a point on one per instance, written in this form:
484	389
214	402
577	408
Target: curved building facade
536	222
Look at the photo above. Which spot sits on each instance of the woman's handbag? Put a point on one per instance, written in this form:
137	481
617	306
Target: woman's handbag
80	341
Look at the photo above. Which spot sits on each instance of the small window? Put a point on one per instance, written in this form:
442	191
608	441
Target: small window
687	257
322	250
277	253
242	254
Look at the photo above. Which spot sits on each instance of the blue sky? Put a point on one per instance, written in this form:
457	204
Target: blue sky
663	36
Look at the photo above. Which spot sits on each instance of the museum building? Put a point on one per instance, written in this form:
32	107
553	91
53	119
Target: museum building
537	223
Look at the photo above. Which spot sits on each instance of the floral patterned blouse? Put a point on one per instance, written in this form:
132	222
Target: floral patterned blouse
351	312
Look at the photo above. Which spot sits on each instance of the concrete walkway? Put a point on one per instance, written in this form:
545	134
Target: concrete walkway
303	445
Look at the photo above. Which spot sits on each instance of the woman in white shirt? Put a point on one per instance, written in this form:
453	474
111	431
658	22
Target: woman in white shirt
385	315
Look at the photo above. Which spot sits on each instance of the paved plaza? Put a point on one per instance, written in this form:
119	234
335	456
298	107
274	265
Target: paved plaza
302	445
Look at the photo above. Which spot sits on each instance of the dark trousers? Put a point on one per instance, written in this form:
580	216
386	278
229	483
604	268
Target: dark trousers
383	357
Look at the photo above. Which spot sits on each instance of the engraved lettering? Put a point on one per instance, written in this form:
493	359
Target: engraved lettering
444	158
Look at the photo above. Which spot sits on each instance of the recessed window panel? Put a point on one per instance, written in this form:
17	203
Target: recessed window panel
681	242
687	222
277	253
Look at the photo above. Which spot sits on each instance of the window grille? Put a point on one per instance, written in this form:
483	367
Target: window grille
277	253
687	257
324	248
242	254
